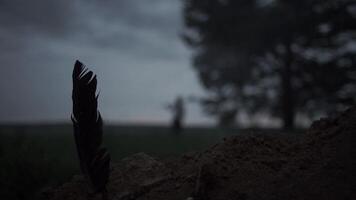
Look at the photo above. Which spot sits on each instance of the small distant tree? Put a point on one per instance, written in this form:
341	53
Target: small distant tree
178	111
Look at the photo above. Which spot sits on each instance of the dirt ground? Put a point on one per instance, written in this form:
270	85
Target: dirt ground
319	164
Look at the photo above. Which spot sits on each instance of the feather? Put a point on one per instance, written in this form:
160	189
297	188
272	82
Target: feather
88	129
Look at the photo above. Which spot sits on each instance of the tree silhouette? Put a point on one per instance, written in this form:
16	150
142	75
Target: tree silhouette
178	112
277	56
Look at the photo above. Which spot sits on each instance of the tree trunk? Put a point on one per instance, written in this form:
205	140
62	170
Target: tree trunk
288	106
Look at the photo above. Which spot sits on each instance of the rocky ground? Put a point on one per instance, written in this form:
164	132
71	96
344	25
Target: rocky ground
319	164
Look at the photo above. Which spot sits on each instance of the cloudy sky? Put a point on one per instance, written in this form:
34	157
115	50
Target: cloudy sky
132	45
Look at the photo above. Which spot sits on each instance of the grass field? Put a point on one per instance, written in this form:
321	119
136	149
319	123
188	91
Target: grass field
34	157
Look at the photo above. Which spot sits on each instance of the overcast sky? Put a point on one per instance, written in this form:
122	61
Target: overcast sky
132	45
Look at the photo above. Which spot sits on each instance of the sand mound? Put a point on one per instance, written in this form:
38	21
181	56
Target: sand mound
316	165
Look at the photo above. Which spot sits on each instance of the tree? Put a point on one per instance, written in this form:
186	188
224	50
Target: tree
279	46
222	71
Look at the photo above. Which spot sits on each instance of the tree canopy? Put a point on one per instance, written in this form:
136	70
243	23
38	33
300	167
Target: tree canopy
281	57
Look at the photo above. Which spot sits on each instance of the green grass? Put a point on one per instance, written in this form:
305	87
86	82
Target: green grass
34	157
158	141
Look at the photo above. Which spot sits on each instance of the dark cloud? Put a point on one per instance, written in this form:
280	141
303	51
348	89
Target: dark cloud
124	24
150	14
38	16
132	45
70	16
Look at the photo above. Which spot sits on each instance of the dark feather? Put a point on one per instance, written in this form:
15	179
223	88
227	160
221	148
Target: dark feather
88	128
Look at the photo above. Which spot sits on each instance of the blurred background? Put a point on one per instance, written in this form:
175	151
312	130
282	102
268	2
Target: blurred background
173	75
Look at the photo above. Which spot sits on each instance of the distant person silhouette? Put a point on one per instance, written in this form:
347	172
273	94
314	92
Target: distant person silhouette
178	114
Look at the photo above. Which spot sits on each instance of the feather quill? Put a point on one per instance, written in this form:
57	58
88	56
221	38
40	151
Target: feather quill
88	129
